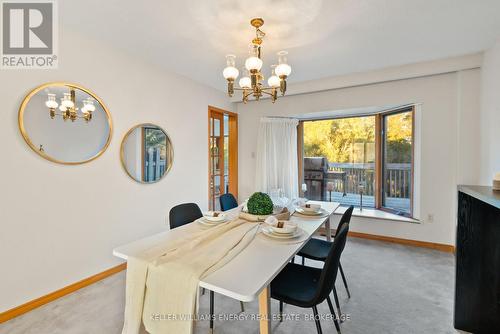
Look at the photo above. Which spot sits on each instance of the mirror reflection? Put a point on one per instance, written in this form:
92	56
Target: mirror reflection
65	123
146	153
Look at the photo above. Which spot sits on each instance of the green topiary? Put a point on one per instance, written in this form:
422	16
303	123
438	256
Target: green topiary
260	204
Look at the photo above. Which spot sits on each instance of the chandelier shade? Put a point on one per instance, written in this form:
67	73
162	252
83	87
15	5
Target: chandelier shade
230	72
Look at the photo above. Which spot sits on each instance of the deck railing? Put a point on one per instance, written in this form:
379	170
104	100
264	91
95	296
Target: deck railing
397	178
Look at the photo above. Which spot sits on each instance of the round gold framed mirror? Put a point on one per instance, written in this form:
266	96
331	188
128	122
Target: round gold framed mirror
65	123
146	153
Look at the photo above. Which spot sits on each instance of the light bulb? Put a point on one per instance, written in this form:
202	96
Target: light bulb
66	101
245	82
51	101
273	81
230	73
253	63
283	70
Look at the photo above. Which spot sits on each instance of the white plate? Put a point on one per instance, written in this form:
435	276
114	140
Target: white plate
309	213
206	222
268	232
288	228
209	216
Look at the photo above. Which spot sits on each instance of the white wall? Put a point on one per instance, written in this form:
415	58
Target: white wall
450	103
490	115
59	223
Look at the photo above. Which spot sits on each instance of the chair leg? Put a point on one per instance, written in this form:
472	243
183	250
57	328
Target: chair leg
344	280
336	297
211	312
303	260
316	320
332	311
242	306
281	311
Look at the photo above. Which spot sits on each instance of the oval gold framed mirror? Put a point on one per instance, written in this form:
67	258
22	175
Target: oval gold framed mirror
146	153
65	123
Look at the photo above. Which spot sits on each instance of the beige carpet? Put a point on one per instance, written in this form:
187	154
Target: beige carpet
395	289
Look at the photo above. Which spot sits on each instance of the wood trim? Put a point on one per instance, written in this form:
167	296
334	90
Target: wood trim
17	311
233	151
233	155
221	111
408	242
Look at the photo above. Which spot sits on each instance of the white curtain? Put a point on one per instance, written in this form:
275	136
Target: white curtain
277	165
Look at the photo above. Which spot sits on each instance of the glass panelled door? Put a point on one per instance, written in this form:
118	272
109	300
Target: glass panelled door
216	159
222	155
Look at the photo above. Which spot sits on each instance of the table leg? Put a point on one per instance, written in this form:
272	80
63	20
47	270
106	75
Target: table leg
328	228
265	311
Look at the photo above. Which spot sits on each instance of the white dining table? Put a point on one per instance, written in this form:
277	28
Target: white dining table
248	275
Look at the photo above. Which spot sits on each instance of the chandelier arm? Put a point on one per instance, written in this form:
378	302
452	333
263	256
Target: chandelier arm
266	92
250	92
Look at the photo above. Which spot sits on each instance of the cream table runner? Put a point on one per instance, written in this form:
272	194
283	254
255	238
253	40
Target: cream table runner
162	282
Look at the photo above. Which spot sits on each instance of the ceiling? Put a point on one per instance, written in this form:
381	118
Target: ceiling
324	37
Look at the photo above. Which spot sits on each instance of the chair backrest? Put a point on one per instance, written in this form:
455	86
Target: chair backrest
346	218
227	202
330	269
184	214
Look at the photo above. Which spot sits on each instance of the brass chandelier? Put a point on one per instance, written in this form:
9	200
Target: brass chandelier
251	83
68	108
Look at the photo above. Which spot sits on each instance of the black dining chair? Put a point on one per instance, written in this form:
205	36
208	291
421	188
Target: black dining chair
317	249
227	202
183	214
306	287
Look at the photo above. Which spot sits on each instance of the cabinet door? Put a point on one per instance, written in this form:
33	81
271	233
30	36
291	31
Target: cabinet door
467	264
490	270
477	288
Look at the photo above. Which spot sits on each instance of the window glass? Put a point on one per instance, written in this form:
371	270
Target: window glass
339	160
397	162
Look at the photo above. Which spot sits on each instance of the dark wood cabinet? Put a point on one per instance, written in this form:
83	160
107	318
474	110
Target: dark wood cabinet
477	286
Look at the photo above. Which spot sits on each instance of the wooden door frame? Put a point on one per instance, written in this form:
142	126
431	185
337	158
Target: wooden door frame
233	149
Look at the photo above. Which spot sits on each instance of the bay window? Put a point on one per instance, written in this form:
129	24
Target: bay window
365	161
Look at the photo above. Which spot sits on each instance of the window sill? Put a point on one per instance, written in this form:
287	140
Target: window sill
376	214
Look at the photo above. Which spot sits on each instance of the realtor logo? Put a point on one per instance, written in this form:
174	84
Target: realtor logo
29	34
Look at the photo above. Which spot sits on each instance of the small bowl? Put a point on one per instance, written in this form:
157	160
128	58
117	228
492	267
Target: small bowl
210	217
288	228
311	207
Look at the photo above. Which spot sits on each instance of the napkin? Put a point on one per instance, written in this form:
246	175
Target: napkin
271	220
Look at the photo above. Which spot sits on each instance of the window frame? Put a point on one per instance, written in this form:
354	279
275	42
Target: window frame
379	152
379	160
